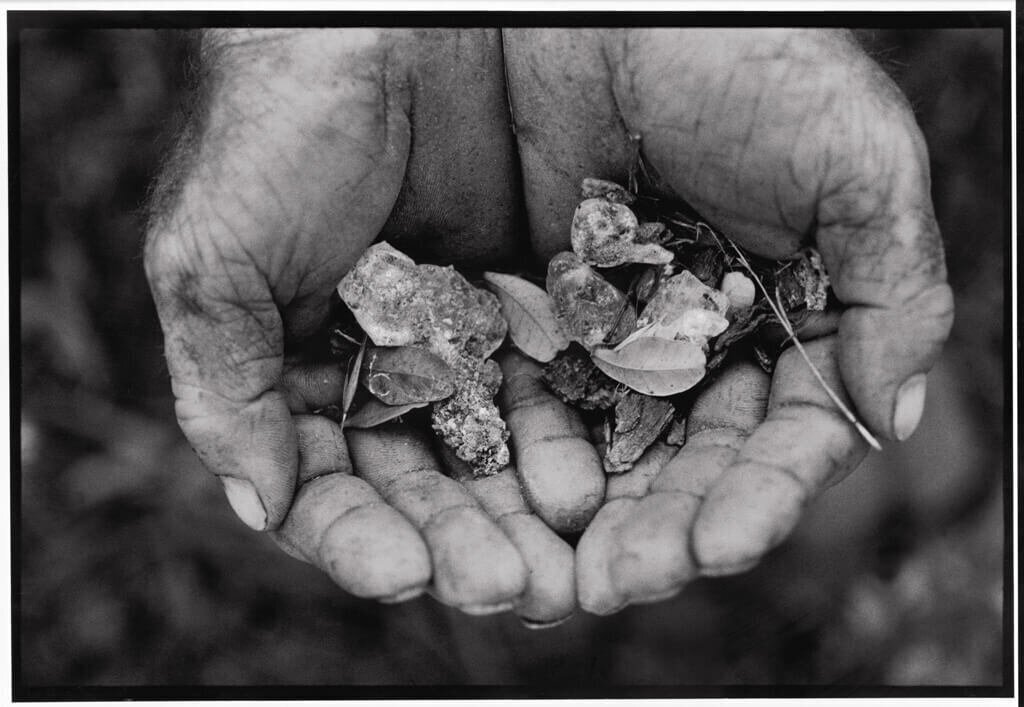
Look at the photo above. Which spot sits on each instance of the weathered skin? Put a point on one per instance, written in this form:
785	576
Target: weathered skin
308	145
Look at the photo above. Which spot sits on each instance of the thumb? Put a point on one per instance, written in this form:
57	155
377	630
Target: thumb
260	212
881	246
225	352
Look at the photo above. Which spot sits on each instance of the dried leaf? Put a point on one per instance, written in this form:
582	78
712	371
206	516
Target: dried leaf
646	284
406	374
803	282
654	366
639	420
677	433
744	322
530	313
674	301
352	381
707	265
374	413
574	378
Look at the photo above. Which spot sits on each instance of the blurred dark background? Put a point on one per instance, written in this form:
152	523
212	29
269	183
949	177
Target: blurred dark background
134	571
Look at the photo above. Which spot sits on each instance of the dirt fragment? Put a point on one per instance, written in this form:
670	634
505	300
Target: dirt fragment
639	421
574	378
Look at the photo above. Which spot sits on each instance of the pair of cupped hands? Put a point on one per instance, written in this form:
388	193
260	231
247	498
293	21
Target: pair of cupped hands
468	147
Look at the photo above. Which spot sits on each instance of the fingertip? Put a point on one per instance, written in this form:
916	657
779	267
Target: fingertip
475	564
884	354
749	511
251	447
651	556
563	481
559	469
595	591
550	594
373	552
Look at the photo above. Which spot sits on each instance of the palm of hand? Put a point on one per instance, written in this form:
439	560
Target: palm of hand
408	138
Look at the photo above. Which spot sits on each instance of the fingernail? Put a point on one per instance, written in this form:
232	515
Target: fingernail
536	625
656	596
404	595
245	502
485	609
909	406
603	609
723	570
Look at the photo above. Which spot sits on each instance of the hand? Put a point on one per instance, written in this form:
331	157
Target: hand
778	138
304	148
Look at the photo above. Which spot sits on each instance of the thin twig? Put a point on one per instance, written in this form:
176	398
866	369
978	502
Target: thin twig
345	336
780	313
677	222
634	163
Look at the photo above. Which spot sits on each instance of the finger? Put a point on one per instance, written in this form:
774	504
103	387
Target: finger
594	588
311	386
596	593
559	470
550	595
459	199
257	214
634	483
341	525
224	359
476	568
889	270
320	453
649	554
803	445
566	124
322	447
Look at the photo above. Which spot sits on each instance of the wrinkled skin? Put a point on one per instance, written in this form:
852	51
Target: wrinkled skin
310	144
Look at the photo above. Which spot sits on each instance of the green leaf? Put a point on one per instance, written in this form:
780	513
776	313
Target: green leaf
653	366
374	413
404	375
530	313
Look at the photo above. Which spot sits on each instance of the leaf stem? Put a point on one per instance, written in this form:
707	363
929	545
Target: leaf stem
780	313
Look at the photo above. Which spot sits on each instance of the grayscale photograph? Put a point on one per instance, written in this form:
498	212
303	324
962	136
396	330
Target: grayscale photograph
502	355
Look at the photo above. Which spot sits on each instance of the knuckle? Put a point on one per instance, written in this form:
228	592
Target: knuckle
160	257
